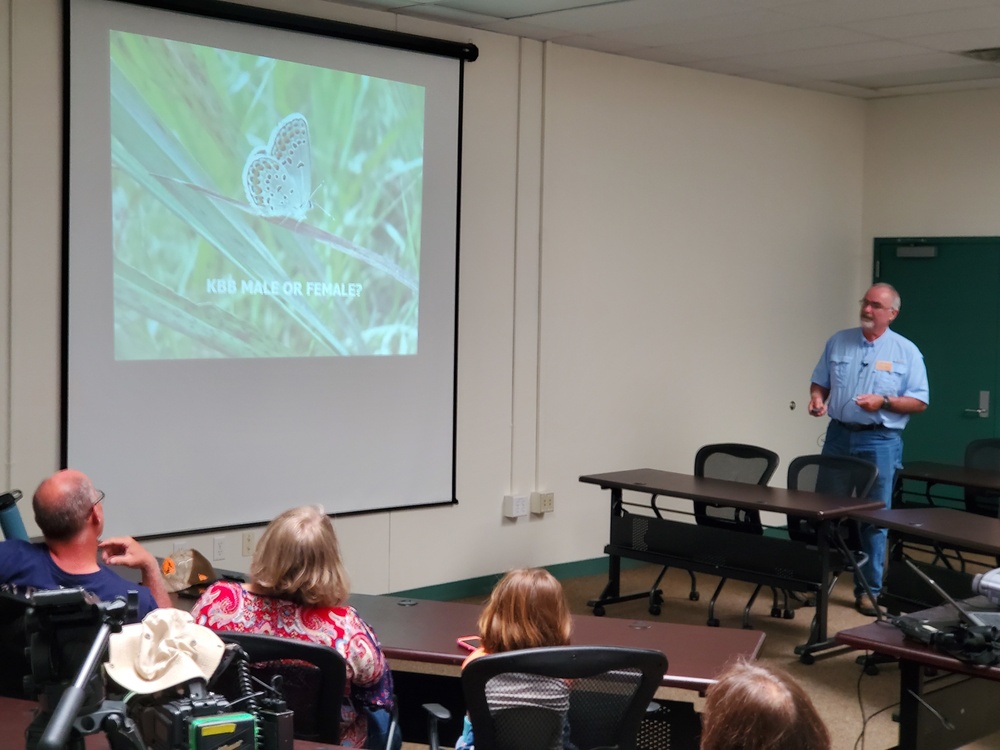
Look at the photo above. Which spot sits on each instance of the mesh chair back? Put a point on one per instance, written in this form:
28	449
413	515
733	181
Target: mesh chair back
548	698
833	475
983	454
314	678
737	463
13	645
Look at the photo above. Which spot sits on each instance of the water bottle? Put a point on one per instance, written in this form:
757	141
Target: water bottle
10	517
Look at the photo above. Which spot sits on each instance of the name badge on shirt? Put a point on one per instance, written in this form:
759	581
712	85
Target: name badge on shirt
884	365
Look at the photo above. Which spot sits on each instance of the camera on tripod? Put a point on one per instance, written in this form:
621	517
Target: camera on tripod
169	706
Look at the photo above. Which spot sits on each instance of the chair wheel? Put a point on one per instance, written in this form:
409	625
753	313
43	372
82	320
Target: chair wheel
871	669
789	614
598	610
713	623
694	596
747	626
654	609
807	659
775	611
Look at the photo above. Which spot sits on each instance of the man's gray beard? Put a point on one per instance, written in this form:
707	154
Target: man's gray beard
867	323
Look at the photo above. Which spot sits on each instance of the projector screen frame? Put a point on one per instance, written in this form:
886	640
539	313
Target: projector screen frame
227	11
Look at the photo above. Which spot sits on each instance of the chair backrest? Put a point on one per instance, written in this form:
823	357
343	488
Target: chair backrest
13	645
545	698
314	677
736	462
983	454
833	475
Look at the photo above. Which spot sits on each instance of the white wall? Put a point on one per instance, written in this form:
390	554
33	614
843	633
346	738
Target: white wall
651	260
931	166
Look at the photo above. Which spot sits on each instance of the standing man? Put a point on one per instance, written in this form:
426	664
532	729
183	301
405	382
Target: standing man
870	380
70	513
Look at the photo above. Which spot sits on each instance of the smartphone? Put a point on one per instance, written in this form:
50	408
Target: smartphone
469	642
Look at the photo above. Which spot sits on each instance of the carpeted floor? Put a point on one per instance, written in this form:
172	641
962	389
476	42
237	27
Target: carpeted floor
857	707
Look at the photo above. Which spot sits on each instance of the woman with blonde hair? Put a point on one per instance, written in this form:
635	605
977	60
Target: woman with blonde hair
297	589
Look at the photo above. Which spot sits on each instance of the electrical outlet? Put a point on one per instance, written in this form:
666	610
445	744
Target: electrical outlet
248	544
543	502
218	548
515	506
548	502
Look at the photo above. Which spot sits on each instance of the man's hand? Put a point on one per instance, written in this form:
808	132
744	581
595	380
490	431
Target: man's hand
816	406
124	550
817	399
869	401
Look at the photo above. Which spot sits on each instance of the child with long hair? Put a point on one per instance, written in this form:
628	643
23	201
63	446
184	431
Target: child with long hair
527	609
752	707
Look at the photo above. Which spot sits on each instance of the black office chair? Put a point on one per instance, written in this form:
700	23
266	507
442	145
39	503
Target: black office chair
548	698
736	462
13	645
314	677
983	454
835	475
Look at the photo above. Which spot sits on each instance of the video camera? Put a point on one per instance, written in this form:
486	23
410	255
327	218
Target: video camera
68	634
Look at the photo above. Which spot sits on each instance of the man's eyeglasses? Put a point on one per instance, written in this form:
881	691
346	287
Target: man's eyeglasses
100	497
873	305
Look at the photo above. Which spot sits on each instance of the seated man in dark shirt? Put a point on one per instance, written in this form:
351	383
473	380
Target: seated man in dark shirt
70	514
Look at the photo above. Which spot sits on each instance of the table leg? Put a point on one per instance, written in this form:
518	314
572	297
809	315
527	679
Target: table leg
818	640
612	590
613	586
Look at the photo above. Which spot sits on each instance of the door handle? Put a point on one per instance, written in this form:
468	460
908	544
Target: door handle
984	406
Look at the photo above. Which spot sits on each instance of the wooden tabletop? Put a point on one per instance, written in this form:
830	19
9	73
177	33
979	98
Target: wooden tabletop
426	631
948	526
733	494
959	476
885	638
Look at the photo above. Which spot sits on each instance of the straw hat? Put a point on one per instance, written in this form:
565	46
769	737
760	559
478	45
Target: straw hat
166	649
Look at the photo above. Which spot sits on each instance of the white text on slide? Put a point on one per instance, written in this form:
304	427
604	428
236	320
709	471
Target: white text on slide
283	288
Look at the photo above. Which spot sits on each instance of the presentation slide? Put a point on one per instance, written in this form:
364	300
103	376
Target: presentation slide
261	267
324	208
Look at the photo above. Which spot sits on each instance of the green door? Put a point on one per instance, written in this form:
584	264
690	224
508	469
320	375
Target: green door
950	290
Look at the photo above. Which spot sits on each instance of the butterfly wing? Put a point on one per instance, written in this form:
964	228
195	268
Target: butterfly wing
290	145
278	180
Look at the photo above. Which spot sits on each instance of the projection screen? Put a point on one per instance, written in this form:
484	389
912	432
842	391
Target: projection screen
260	267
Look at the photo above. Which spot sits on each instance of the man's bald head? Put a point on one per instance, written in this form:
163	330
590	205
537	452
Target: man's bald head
62	504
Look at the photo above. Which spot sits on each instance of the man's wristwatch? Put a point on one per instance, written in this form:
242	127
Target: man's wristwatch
886	403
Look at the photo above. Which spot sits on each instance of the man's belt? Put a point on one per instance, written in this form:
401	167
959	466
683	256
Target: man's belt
855	427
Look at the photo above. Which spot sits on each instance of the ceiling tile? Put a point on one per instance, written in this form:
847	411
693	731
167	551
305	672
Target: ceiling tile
918	24
841	53
970	72
510	9
597	43
846	11
635	13
903	46
959	41
777	41
731	25
859	68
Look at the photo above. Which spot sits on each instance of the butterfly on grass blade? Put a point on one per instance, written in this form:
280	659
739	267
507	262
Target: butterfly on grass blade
278	179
